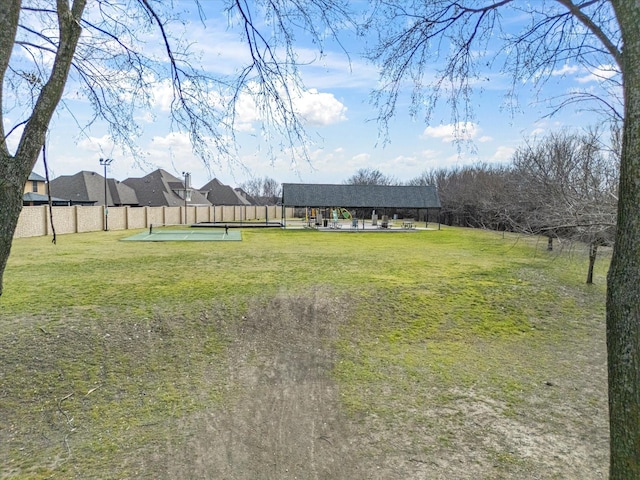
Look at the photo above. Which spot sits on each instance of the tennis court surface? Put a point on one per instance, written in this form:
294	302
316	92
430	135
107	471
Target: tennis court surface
180	235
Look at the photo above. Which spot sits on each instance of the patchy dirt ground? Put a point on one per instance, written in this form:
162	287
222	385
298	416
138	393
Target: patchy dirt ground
286	421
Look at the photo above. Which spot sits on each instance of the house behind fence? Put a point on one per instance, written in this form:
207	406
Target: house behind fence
34	221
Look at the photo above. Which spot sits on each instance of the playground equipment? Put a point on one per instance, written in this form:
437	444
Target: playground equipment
326	217
344	213
337	214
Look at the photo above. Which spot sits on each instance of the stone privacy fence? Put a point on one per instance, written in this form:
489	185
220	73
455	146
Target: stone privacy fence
34	221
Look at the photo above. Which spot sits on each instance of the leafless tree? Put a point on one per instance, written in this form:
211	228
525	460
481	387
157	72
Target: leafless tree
562	185
472	195
271	190
370	176
108	53
565	185
436	49
265	189
426	178
253	186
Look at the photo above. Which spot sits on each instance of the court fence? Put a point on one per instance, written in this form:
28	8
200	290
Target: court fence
34	221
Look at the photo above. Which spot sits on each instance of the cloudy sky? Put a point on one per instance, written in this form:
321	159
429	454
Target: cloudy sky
339	117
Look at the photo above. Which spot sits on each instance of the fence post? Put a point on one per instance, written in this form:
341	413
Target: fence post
46	219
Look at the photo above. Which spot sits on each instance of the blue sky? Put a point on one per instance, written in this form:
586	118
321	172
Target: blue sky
339	117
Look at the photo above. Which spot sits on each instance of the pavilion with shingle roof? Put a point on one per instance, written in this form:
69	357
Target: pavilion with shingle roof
310	195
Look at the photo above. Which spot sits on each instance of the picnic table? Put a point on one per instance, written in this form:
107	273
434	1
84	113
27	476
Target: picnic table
408	224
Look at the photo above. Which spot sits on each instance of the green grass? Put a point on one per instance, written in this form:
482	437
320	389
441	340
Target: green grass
105	345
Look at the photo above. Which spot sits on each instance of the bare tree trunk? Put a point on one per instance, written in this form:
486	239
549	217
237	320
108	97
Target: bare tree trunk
623	292
11	190
14	170
593	253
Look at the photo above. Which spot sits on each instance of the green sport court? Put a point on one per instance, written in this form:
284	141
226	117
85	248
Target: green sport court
157	234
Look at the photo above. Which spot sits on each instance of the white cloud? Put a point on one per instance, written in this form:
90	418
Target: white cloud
313	107
455	160
335	167
430	154
96	144
503	154
171	152
145	116
360	159
332	166
455	131
172	140
320	109
403	163
566	70
246	113
162	95
541	127
224	52
603	72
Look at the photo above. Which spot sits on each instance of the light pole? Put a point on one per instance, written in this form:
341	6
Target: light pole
187	192
106	162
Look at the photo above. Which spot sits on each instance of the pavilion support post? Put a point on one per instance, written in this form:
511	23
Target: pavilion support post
283	219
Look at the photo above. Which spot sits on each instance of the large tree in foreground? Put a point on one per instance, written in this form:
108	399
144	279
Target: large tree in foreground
15	168
623	293
109	52
440	47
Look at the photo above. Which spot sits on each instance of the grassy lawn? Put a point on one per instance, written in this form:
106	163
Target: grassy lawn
432	354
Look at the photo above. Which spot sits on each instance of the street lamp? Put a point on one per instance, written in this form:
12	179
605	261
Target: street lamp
106	162
187	192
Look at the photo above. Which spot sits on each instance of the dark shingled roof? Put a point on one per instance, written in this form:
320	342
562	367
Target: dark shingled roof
76	187
359	196
247	197
159	188
121	194
88	188
220	194
39	199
